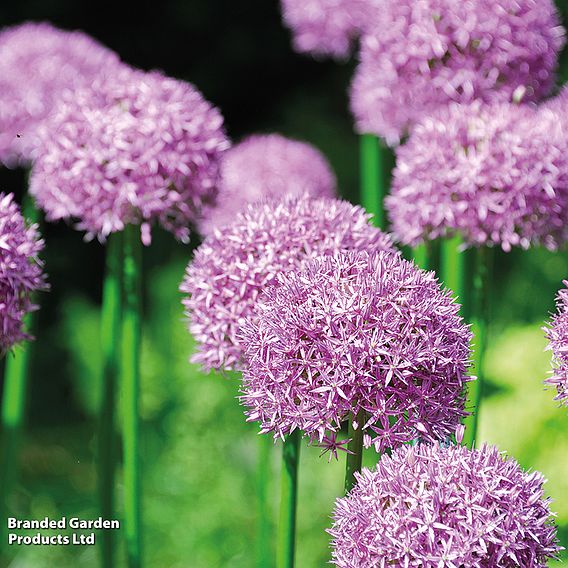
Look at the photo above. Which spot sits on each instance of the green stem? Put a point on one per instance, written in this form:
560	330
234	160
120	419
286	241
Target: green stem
130	374
480	268
13	410
110	341
373	178
288	495
14	402
453	266
355	450
264	446
427	255
420	255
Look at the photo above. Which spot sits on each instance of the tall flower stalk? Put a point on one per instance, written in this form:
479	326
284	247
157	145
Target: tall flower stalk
354	457
373	177
263	471
428	255
479	274
130	379
454	263
464	271
13	411
110	340
286	539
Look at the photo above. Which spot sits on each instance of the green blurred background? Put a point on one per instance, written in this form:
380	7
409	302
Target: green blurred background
198	453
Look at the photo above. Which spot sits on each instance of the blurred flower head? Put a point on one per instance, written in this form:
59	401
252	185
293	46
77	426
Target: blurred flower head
20	271
327	27
497	174
267	166
557	334
236	262
132	148
357	332
420	54
430	506
37	63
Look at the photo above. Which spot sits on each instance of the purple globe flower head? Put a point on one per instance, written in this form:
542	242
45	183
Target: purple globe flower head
37	63
430	506
132	148
234	263
419	55
267	166
20	272
356	332
327	27
557	335
497	174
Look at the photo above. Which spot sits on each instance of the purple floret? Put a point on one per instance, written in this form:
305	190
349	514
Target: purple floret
37	64
421	54
236	262
557	335
267	166
435	506
497	174
20	272
133	148
357	332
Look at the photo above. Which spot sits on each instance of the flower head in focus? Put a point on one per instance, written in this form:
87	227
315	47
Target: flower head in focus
38	62
236	262
327	27
356	332
430	506
497	174
20	271
132	148
267	166
419	55
557	335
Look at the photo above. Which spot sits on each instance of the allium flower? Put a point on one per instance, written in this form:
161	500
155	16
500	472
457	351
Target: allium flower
421	54
133	148
497	174
357	332
234	263
557	334
267	166
435	506
327	27
20	271
37	63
